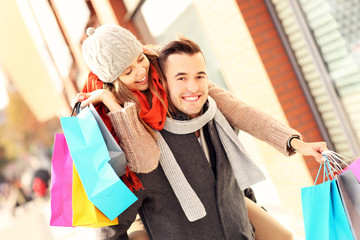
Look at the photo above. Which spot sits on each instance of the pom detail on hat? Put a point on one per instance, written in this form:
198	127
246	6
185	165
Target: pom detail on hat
90	31
109	50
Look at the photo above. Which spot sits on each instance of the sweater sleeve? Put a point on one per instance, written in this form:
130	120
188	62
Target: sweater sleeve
140	148
252	121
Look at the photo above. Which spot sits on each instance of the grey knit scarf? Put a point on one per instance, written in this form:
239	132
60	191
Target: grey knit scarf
245	171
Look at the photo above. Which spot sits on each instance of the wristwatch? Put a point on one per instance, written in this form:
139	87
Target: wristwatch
288	142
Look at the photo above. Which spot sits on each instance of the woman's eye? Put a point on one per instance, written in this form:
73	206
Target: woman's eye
127	73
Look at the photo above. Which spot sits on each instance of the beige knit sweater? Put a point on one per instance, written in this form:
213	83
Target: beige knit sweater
142	152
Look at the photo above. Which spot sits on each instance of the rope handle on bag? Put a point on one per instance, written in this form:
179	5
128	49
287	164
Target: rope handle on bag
327	171
335	158
331	165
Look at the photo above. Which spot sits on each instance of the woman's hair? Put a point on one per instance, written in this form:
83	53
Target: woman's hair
123	94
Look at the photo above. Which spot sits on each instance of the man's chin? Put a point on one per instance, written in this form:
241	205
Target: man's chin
192	114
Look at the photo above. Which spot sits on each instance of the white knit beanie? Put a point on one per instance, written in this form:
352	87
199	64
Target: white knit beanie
109	50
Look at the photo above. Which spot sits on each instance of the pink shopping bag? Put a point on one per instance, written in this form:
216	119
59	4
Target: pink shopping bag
61	184
355	168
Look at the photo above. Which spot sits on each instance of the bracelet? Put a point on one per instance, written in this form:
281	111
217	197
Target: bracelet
288	142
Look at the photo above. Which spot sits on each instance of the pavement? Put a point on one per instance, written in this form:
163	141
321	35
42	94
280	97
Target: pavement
32	222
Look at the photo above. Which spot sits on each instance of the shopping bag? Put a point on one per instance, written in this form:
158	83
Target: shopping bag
61	184
323	213
117	156
339	159
90	155
85	214
349	188
355	168
67	205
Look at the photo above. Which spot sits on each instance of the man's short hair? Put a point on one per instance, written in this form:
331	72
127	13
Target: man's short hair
181	46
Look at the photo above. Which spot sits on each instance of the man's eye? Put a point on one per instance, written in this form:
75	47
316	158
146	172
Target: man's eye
181	78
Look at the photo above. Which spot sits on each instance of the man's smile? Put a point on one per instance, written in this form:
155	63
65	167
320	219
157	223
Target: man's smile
192	98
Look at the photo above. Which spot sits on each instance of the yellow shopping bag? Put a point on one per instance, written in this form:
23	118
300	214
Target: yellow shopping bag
85	214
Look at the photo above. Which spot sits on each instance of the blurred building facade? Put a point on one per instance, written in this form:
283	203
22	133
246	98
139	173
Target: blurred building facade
296	60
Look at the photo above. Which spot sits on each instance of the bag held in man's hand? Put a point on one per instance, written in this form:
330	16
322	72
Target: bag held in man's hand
323	211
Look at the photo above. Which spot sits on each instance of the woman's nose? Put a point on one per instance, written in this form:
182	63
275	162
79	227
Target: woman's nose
140	70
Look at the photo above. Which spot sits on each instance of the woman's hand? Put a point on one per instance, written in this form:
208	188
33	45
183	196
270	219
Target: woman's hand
96	97
310	149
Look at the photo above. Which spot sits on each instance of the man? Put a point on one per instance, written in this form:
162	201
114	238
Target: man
196	191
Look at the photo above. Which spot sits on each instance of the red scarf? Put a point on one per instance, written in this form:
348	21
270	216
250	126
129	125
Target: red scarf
155	115
93	83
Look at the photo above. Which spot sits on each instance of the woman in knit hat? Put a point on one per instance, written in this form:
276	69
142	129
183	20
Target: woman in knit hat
128	89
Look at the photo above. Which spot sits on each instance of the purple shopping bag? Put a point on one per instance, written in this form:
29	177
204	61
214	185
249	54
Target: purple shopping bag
355	168
61	184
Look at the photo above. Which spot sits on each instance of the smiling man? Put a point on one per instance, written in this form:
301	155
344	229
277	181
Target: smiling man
187	82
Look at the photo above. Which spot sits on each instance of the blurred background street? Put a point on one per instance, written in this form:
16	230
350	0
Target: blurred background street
297	60
31	221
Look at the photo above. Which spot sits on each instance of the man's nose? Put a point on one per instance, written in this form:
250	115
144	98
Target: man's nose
192	85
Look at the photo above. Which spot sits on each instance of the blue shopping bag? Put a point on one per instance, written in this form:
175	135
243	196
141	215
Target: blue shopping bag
91	158
323	212
117	156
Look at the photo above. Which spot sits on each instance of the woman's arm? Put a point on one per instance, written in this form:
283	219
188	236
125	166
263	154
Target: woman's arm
141	150
252	121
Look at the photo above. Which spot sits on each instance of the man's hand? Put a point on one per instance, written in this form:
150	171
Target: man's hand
310	149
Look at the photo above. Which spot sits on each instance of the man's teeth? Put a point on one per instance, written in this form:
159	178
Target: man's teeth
190	98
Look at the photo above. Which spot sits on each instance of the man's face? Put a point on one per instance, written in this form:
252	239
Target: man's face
187	82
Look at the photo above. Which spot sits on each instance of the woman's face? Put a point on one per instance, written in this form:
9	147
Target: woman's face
136	76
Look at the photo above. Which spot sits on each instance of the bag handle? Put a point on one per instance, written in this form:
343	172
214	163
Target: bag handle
327	172
76	109
336	158
331	165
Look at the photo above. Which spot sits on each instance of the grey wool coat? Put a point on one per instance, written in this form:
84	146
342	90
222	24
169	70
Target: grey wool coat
214	183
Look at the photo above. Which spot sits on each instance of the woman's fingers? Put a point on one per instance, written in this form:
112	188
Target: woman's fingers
94	97
85	102
78	98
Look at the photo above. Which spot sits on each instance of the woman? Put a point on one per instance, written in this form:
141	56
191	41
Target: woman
124	72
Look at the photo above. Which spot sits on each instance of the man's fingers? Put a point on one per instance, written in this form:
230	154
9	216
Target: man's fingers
319	158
